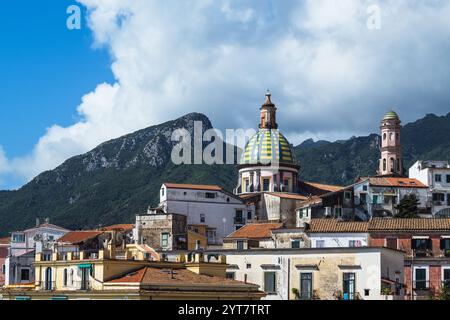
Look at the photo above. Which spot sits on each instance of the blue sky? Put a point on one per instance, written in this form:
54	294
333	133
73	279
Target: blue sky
332	76
45	69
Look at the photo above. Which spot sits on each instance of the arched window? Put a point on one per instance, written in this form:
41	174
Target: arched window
71	276
48	279
384	165
392	164
398	165
65	276
384	136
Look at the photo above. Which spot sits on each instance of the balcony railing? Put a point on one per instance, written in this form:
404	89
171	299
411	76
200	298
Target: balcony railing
239	220
421	285
47	285
83	285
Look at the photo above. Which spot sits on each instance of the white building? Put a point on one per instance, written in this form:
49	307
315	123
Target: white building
24	245
221	211
435	175
332	233
379	196
326	274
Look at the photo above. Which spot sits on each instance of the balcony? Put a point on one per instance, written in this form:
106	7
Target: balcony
47	285
421	285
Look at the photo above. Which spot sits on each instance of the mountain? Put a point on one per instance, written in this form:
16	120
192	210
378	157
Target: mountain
342	162
111	183
122	177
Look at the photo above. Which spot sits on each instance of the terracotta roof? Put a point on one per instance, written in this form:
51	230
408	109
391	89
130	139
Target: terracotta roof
75	237
6	240
121	227
327	187
193	186
255	231
336	226
149	276
292	196
384	224
396	182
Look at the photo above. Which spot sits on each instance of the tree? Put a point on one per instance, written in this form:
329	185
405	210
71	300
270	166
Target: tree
408	207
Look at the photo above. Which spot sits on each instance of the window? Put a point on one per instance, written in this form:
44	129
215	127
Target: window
448	178
445	246
438	197
231	275
446	277
384	136
202	218
363	197
421	244
320	243
249	266
266	185
437	178
337	211
210	195
366	292
239	218
240	245
420	279
352	243
164	240
65	278
384	165
3	269
246	185
303	213
48	279
365	188
25	274
349	286
306	286
375	199
162	192
18	238
249	215
295	244
270	286
391	243
347	195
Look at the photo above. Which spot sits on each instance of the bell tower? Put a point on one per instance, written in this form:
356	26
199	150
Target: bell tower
391	162
268	114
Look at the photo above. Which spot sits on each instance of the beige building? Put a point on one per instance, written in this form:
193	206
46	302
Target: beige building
325	274
136	276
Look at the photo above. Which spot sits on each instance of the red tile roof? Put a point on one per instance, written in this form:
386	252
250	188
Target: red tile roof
396	182
120	227
193	186
291	196
336	226
255	231
385	224
161	276
75	237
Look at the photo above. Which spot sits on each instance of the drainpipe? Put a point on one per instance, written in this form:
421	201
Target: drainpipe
289	278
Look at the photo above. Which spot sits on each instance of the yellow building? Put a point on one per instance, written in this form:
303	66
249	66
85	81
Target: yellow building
136	275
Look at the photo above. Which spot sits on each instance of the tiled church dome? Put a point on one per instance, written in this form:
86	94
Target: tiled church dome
268	145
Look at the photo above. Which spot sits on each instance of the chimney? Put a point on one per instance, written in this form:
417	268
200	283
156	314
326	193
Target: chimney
37	222
47	220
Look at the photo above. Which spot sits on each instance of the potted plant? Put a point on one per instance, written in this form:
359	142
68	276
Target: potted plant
296	293
386	292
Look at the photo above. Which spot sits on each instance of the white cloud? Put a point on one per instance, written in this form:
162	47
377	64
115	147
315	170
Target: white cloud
330	75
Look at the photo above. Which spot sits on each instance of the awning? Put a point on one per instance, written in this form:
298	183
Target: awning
85	266
23	298
314	267
60	298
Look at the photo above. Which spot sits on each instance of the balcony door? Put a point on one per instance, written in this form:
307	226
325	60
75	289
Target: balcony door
85	272
349	286
306	286
420	276
48	279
